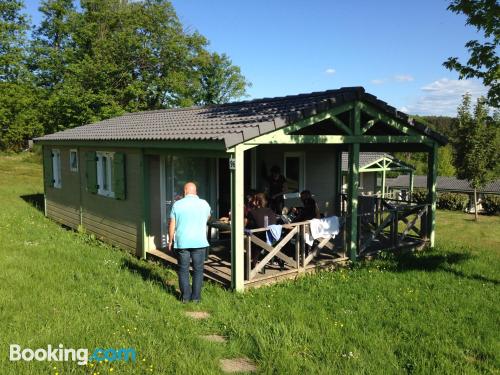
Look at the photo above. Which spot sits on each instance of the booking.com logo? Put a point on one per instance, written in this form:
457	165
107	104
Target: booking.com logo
62	354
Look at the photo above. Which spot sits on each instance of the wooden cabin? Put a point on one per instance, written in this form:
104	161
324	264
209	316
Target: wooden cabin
118	178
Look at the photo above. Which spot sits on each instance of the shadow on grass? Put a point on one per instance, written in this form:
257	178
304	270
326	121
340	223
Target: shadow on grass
430	262
148	273
36	200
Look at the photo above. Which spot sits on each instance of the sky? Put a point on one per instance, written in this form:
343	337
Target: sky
393	48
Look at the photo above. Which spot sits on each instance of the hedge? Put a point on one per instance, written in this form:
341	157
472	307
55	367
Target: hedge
445	201
491	204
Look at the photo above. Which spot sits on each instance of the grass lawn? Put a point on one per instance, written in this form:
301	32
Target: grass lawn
432	312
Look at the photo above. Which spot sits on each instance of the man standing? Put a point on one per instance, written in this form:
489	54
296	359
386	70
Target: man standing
187	233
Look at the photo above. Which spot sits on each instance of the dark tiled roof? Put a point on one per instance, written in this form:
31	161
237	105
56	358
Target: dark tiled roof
443	184
231	123
365	158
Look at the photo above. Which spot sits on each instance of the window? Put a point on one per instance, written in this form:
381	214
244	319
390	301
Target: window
105	174
56	168
73	160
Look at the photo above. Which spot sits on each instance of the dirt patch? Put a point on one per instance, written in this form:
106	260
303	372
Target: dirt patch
234	365
214	338
197	314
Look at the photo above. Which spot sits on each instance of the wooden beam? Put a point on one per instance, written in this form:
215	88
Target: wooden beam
237	220
432	194
279	137
341	125
379	116
367	126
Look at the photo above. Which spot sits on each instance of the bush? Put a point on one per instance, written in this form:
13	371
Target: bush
491	204
452	201
419	196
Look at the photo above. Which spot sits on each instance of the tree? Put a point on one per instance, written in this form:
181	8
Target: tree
483	62
112	56
476	158
445	161
13	28
19	119
220	80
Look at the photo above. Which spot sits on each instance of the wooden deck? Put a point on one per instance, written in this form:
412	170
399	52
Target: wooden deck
218	267
386	226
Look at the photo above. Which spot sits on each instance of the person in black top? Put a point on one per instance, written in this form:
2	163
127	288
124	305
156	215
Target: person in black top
256	218
277	187
310	209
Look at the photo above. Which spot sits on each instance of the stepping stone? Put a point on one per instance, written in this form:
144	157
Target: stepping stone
197	314
214	338
237	365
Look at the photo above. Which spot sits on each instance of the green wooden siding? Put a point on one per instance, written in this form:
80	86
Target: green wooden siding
48	174
119	178
91	171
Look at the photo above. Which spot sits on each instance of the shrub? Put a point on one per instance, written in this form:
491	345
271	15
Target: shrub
419	196
452	201
491	204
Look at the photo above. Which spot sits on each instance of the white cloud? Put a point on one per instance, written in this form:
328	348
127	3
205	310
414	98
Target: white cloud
403	78
442	97
377	81
403	109
330	71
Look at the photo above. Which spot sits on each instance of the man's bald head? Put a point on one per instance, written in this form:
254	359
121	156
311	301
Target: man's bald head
190	188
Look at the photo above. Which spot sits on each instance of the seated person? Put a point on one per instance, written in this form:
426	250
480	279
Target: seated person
309	210
256	218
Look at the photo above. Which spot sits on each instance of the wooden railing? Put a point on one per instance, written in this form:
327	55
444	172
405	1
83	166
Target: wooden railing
293	239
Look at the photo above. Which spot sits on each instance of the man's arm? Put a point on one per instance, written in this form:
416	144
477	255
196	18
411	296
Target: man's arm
171	233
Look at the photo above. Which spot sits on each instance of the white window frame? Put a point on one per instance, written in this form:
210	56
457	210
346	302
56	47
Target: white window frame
75	151
56	168
302	167
105	173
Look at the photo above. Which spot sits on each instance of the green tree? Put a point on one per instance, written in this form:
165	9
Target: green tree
19	118
475	156
483	62
221	81
13	29
445	161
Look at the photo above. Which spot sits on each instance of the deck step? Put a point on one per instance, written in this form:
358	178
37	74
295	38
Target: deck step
215	273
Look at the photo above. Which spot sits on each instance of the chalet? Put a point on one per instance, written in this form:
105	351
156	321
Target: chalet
118	178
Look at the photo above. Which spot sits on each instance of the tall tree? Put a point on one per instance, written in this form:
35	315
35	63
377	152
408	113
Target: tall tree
52	48
18	97
475	155
13	28
220	80
483	62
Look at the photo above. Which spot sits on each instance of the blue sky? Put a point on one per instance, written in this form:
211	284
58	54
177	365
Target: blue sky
394	49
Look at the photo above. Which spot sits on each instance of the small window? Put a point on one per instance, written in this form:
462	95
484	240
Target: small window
56	168
73	160
105	174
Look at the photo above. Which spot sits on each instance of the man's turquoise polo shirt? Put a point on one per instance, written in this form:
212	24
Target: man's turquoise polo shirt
190	214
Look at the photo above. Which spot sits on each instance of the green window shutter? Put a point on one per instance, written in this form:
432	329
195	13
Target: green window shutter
47	167
91	171
119	177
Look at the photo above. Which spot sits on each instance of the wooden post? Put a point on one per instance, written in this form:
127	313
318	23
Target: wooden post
432	195
383	178
145	204
411	186
248	256
338	189
237	219
353	190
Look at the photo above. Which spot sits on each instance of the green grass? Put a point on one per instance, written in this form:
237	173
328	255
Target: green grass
431	312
